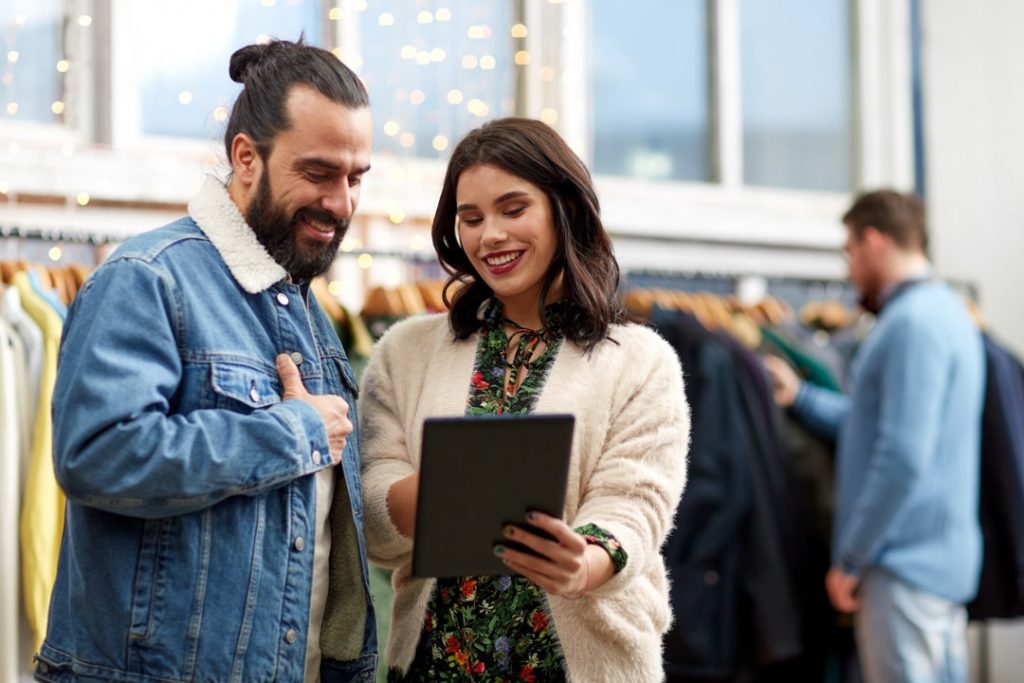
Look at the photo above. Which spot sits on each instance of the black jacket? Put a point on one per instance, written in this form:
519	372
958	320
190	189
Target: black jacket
1001	589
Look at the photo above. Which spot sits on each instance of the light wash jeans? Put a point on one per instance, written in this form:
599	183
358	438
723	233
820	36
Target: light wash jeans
906	635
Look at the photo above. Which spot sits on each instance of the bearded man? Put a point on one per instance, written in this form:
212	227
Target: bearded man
204	411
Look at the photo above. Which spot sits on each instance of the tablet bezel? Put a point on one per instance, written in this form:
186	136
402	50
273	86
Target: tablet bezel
478	473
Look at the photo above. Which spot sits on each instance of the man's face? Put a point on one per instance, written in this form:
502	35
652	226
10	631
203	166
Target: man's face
308	187
863	261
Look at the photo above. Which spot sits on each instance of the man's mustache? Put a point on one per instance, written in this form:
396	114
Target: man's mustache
319	216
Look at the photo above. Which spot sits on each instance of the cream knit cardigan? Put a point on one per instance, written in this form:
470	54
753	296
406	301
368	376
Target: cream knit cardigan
626	475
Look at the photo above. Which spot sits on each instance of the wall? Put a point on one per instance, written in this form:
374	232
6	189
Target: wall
973	68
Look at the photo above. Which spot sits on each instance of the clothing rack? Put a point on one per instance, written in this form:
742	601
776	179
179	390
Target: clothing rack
794	289
750	287
54	235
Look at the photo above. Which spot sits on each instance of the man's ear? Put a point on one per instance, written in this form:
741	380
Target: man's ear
245	159
874	239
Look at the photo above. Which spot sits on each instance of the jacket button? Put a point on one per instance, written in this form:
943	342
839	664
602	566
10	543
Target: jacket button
44	667
296	357
254	395
317	457
300	543
282	299
291	636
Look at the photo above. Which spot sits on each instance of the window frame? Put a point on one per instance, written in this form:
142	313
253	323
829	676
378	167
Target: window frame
657	225
795	231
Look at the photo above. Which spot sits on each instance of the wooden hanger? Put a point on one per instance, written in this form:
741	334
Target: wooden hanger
639	302
412	300
7	271
323	296
431	291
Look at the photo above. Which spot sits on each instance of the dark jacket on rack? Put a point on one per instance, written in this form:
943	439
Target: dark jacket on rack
731	585
1001	505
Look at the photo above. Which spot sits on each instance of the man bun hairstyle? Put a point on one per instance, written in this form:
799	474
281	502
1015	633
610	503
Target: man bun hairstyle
268	72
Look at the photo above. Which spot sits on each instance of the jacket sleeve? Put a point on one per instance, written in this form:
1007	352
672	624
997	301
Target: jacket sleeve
386	457
119	443
639	476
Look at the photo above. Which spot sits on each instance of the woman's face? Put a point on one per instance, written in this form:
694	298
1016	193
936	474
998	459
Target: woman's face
507	231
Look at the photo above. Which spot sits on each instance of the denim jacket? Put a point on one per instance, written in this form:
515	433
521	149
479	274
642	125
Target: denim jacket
188	544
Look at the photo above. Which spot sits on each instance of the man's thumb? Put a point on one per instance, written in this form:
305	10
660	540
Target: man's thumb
291	380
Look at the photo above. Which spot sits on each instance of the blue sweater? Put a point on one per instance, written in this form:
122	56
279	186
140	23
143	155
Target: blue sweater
908	439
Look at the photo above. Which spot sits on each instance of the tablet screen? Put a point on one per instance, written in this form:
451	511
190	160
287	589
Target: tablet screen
478	474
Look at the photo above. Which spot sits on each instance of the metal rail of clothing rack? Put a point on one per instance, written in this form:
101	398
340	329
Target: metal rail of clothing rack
794	290
94	239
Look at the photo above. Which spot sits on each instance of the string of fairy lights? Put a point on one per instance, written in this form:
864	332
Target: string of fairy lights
407	51
470	48
13	58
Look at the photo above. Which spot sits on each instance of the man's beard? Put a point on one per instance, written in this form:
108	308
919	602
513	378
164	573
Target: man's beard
277	233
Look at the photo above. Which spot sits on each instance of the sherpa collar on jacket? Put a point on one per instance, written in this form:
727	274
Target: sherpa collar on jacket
219	218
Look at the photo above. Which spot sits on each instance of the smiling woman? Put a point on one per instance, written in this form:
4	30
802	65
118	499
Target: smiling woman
533	163
506	230
538	328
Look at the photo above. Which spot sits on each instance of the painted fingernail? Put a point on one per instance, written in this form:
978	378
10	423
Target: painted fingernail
499	550
509	530
532	516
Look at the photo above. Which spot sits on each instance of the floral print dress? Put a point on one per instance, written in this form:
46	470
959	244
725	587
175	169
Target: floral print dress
498	628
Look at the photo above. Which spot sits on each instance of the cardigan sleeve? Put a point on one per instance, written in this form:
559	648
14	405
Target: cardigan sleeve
639	476
385	451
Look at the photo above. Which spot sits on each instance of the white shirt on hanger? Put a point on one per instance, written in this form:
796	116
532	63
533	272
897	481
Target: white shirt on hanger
10	500
32	337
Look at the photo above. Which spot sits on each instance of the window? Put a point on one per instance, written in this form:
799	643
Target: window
435	70
776	98
182	50
34	61
797	89
650	89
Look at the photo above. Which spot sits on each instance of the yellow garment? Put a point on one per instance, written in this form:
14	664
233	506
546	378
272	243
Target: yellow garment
42	508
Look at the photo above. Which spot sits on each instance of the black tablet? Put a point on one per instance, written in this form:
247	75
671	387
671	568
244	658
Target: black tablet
478	474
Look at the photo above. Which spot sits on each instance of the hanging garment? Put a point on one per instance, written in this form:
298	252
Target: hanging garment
703	553
47	295
808	366
747	582
42	510
32	337
10	456
1001	505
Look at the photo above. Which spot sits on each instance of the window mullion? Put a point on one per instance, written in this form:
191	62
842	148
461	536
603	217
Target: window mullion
882	93
96	102
575	118
726	113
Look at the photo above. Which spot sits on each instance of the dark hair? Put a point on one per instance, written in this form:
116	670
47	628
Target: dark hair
533	151
268	72
898	215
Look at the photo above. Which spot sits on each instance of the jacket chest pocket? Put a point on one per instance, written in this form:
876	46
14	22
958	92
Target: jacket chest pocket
341	376
243	388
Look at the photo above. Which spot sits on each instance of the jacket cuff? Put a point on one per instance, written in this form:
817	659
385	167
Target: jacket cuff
310	434
388	545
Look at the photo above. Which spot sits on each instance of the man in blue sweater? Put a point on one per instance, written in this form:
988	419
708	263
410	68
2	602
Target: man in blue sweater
906	541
